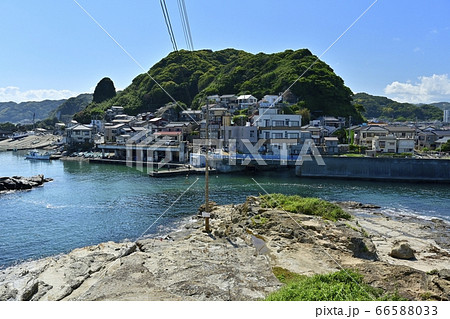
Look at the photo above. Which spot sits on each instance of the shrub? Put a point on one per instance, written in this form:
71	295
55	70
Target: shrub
344	285
305	205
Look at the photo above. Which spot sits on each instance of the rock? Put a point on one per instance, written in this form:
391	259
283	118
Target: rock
363	248
30	290
22	183
402	250
444	274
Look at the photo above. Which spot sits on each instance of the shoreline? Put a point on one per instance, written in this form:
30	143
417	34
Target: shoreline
188	264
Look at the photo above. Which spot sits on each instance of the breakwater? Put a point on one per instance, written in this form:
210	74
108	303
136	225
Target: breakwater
401	169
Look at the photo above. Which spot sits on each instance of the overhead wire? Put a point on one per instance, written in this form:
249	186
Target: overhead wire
168	24
185	24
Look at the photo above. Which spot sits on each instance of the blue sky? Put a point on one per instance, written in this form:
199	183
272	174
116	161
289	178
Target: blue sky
52	49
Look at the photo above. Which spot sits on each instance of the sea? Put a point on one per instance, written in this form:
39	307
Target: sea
87	204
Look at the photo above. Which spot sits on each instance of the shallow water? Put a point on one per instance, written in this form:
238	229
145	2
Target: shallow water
91	203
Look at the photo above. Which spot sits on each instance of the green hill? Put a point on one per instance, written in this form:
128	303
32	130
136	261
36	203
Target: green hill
65	111
381	107
24	112
189	76
442	105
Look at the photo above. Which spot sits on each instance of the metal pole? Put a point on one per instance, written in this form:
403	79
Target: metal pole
207	229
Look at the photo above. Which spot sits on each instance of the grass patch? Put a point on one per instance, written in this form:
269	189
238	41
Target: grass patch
305	205
286	276
336	286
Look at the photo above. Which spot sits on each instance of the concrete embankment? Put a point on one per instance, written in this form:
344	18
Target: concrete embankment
401	169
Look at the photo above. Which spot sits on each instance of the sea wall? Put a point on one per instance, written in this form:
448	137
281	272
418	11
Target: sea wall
405	169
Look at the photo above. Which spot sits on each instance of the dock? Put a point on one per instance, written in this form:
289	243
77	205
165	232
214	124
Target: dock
178	172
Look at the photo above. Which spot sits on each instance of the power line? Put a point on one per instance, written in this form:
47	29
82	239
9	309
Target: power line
168	24
185	24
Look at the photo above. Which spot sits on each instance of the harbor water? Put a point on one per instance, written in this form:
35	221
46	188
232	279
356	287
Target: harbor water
87	204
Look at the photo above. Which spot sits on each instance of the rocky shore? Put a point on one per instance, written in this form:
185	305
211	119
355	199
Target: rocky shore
235	260
21	183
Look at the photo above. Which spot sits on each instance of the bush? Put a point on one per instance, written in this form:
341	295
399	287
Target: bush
305	205
344	285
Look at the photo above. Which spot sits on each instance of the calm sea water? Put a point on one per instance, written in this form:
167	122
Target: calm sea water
87	203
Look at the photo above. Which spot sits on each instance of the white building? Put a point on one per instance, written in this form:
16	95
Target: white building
273	125
446	116
245	101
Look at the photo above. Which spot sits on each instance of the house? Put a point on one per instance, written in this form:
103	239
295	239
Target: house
282	132
442	141
228	100
112	132
317	133
270	100
234	137
332	121
184	127
384	144
98	125
244	101
428	138
401	131
218	117
331	145
191	115
113	112
79	134
392	144
405	145
273	125
158	122
365	134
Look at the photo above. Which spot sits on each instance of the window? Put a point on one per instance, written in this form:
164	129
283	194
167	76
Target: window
266	135
252	133
277	135
278	123
293	135
294	123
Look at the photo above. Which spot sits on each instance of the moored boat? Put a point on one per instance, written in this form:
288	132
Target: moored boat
38	156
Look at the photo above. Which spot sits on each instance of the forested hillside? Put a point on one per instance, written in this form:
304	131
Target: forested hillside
381	107
189	76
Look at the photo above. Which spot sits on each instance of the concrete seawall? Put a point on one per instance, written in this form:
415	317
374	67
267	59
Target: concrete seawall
402	169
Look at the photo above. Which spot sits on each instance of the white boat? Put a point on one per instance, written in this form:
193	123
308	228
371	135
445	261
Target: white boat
38	156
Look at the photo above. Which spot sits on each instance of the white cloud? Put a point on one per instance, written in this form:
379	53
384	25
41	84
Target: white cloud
428	89
12	93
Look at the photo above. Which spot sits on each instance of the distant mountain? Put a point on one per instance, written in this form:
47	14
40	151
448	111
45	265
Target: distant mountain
381	107
66	110
63	110
190	76
442	105
19	113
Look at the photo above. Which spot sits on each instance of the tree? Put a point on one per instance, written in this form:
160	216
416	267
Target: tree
306	115
104	90
446	147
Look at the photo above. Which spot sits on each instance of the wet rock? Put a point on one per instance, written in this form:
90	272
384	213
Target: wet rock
402	250
22	183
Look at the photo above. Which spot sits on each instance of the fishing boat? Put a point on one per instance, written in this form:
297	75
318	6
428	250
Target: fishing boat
35	155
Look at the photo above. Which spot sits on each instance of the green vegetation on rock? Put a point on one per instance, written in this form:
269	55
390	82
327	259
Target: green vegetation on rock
386	109
190	76
344	285
305	205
